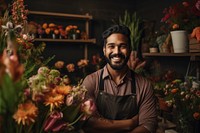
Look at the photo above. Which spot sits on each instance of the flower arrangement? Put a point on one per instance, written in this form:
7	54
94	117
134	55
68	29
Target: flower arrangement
52	30
185	15
34	98
48	104
51	91
184	97
72	30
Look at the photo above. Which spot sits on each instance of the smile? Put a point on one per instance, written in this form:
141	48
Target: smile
116	59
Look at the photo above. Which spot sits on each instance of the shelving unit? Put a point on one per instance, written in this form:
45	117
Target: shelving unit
87	18
91	41
171	54
194	57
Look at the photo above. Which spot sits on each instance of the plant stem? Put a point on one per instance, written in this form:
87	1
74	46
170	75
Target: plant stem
76	120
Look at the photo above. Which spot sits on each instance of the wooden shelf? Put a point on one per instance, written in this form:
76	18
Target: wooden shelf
90	41
86	18
73	16
171	54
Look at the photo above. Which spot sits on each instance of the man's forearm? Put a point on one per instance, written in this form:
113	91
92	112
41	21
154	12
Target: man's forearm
114	126
139	129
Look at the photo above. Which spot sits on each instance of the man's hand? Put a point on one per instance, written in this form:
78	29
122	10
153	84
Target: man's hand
134	63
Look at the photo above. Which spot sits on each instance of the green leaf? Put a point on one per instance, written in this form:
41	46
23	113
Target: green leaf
70	113
10	94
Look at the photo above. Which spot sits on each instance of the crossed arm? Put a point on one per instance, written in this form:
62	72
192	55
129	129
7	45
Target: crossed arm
98	124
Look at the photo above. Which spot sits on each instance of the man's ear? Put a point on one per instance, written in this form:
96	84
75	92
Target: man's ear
104	49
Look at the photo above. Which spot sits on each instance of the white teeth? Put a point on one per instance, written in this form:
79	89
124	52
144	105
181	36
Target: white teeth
116	59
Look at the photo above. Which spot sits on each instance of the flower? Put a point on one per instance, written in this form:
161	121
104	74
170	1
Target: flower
53	99
58	98
88	107
34	98
19	13
72	30
70	67
185	15
184	97
82	63
26	113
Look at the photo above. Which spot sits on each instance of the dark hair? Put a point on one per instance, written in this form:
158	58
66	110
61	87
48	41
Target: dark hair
117	29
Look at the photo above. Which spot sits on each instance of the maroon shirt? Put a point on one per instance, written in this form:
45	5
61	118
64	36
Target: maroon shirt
146	101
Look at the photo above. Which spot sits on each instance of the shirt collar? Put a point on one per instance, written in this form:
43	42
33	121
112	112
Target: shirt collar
106	73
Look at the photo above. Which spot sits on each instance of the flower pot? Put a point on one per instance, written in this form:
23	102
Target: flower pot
180	41
153	50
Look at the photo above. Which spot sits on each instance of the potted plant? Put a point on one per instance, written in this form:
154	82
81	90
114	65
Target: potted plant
181	18
133	23
151	40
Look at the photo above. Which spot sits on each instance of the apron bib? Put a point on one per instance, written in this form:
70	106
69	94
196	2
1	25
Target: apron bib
116	107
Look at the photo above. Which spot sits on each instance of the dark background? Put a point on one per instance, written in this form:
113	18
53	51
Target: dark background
104	13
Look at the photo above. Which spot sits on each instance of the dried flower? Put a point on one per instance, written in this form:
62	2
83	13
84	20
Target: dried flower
19	13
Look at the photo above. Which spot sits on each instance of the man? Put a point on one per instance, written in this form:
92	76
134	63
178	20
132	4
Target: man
125	100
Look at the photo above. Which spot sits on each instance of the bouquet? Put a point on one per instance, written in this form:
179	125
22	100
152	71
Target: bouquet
34	98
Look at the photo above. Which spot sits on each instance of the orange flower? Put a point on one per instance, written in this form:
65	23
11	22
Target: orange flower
53	99
82	63
175	26
59	64
174	90
56	31
70	67
26	113
196	115
64	90
47	30
45	25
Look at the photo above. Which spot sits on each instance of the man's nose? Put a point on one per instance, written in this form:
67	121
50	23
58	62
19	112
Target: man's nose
117	50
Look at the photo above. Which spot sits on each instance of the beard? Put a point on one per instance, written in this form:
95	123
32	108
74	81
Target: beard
119	65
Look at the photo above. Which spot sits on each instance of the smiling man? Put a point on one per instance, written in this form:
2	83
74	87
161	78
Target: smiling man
125	100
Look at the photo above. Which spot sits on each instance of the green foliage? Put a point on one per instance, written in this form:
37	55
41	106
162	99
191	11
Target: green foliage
133	22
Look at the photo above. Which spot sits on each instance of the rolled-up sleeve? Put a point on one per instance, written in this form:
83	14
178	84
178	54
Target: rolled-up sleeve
147	105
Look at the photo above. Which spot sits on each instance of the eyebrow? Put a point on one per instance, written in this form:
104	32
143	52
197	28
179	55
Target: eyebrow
118	44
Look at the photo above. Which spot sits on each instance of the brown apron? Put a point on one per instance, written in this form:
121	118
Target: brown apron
116	107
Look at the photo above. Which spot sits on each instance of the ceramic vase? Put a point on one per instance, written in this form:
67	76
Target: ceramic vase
180	41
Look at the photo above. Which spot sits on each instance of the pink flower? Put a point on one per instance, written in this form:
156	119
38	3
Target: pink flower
197	5
69	100
88	107
54	122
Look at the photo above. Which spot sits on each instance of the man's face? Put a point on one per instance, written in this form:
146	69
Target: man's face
117	51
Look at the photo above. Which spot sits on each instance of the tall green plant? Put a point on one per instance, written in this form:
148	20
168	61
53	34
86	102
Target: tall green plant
133	22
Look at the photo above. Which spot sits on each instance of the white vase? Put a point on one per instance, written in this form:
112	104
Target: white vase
180	41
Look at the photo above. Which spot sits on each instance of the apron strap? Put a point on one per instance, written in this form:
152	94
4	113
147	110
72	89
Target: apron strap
101	81
133	90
